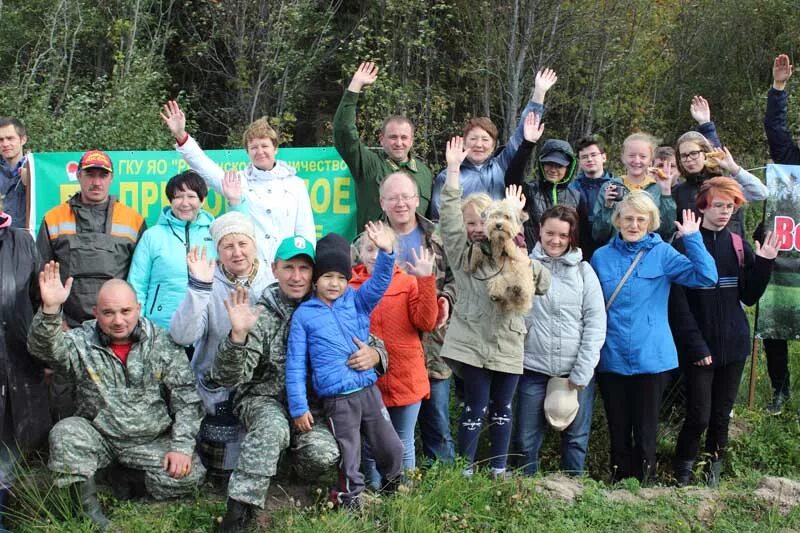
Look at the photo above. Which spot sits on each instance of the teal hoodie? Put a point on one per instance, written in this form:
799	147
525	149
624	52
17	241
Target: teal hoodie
158	270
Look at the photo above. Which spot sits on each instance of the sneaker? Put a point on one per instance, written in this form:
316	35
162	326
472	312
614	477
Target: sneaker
776	405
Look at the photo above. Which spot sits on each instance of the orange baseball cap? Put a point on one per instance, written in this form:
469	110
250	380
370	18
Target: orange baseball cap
95	159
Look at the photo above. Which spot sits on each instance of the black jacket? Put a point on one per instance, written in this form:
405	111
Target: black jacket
22	390
711	321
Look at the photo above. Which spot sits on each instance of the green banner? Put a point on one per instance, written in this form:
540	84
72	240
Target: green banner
140	179
779	308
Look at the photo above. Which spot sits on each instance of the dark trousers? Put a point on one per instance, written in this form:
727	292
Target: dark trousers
777	353
710	395
482	386
351	415
632	405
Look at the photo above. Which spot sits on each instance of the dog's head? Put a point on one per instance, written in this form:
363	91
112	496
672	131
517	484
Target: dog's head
502	221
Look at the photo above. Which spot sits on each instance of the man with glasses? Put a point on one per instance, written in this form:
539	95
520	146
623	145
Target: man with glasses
399	200
592	160
369	168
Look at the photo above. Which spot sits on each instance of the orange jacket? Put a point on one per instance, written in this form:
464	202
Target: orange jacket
408	308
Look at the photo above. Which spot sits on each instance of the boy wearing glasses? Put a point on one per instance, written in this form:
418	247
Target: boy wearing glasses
592	175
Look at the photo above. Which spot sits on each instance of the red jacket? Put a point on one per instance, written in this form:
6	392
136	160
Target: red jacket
408	308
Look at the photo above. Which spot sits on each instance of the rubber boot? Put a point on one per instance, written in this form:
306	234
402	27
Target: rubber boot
87	496
682	471
238	517
714	471
3	508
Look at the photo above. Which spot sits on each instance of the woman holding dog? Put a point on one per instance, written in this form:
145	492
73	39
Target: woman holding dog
483	344
566	329
635	270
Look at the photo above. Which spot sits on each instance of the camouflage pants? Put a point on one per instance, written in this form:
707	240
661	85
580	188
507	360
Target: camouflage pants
269	434
78	450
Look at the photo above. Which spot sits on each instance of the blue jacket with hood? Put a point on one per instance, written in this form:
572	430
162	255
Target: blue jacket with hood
158	271
638	337
321	336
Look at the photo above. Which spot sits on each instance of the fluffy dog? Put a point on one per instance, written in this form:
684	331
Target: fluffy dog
508	271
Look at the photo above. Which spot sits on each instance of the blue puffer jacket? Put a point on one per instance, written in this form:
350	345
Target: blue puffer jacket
490	176
638	338
323	334
158	270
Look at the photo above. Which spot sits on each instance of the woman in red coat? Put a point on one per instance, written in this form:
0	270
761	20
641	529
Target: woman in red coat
407	309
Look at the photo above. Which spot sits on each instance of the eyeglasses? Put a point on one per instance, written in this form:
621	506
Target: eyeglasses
691	156
586	157
405	198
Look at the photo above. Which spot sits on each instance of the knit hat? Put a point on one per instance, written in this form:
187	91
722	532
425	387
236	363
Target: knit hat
233	222
560	403
333	255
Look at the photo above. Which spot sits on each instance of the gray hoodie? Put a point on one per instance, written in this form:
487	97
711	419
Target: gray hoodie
566	326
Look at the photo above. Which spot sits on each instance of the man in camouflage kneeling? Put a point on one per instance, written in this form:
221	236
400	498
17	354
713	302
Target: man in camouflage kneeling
253	358
135	396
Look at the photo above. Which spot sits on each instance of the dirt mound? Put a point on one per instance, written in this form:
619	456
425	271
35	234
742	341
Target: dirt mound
781	492
561	487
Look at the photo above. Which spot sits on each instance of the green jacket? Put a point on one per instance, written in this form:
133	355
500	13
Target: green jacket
129	404
478	334
368	168
603	229
258	367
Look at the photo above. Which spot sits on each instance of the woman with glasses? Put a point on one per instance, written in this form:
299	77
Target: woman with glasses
710	327
697	162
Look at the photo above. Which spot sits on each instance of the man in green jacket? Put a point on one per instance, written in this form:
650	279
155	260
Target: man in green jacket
135	391
367	167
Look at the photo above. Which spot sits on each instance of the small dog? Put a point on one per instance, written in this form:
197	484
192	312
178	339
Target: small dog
510	279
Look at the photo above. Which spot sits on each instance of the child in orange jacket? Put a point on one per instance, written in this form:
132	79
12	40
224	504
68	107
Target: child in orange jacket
408	308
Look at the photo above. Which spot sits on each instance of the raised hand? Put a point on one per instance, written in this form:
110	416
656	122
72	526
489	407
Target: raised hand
532	128
700	110
366	74
455	152
662	179
201	267
727	163
515	197
421	265
768	250
174	119
542	83
242	315
52	292
781	71
232	187
691	223
380	235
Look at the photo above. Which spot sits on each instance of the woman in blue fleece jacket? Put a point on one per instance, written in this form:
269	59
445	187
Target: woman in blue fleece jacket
639	350
321	336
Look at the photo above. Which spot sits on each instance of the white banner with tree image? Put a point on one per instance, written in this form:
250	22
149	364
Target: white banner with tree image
779	308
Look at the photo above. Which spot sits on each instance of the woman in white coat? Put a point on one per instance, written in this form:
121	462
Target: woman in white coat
274	196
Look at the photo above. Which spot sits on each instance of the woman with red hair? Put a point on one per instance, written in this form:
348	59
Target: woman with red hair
711	330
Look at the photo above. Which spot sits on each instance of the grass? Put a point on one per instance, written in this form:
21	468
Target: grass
446	501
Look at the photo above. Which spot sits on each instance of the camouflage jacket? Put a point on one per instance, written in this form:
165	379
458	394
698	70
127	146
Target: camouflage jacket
132	403
445	286
258	367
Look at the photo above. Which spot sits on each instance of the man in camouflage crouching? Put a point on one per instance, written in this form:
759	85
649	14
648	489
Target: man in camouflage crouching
253	358
135	396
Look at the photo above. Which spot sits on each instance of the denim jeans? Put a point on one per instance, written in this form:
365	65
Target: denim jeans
434	423
531	424
404	420
486	391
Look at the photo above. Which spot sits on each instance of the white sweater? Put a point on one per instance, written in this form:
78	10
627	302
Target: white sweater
277	200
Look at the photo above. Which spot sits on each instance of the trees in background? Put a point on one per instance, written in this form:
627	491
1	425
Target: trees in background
86	73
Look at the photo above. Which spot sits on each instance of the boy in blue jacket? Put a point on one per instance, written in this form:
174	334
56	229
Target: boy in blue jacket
322	332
